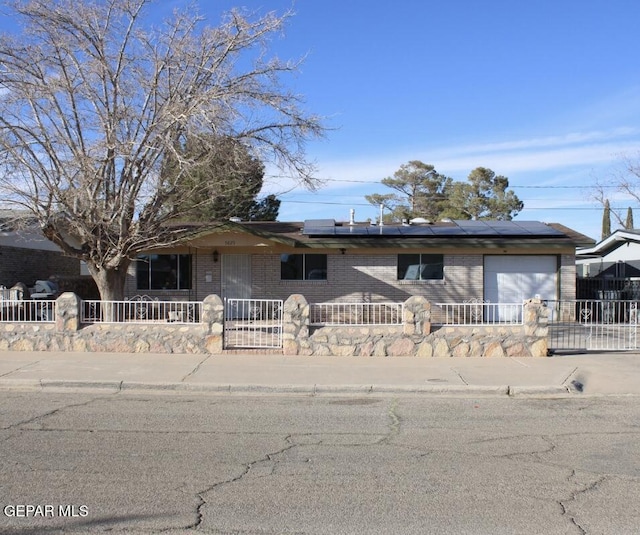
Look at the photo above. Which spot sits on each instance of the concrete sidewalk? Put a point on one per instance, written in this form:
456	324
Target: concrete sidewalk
568	375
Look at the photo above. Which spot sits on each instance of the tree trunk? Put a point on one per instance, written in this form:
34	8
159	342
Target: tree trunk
110	281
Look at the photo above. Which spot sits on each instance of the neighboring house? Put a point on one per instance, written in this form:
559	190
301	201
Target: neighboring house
617	256
26	255
610	269
497	261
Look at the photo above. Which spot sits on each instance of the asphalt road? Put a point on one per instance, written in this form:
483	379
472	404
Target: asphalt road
317	465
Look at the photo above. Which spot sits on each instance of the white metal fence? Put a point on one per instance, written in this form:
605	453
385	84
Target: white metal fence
477	313
252	323
28	311
11	294
588	324
356	314
141	310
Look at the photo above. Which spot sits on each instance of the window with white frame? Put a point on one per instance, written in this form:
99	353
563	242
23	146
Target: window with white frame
418	267
303	267
163	272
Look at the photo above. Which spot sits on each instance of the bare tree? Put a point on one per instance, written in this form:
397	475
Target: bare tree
94	100
624	180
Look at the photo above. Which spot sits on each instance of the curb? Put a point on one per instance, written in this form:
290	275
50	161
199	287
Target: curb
516	391
312	390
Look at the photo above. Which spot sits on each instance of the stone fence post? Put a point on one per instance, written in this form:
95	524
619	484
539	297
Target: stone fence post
213	323
536	326
417	316
295	326
68	312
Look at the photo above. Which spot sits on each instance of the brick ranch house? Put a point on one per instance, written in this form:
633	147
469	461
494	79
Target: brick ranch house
325	260
26	255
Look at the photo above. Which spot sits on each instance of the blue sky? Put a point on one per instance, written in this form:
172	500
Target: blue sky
546	93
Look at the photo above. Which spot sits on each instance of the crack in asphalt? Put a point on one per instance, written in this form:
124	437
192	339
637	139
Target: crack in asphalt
394	424
49	413
534	452
572	498
269	457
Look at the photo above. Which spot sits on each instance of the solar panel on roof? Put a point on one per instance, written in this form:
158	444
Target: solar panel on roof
447	231
470	223
473	228
539	228
414	232
506	228
352	231
389	230
461	228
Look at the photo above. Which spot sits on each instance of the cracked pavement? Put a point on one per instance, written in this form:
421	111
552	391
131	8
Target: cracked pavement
299	464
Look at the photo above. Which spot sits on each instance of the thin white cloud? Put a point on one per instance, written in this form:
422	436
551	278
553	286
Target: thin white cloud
540	160
543	154
574	138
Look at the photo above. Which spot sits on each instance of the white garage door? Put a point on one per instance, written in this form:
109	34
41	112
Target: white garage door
512	279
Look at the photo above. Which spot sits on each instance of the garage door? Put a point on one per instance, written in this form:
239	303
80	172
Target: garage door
512	279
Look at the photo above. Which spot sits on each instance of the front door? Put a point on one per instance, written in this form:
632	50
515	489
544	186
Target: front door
236	283
236	276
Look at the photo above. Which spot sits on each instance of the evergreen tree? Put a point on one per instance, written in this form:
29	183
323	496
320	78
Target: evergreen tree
606	220
628	224
423	192
223	182
483	196
266	209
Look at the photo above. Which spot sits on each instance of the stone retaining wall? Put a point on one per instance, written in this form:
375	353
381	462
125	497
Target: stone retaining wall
116	338
415	337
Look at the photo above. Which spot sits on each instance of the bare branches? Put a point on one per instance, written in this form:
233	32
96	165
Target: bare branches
93	100
623	186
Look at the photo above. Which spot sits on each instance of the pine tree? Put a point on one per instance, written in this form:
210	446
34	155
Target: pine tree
606	220
629	222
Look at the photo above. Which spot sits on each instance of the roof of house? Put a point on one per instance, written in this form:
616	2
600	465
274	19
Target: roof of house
329	233
615	240
19	229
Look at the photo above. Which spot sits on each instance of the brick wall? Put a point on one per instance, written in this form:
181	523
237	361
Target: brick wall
364	277
567	277
28	265
350	277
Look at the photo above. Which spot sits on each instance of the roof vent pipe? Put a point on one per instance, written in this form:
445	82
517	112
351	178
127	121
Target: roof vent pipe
352	217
